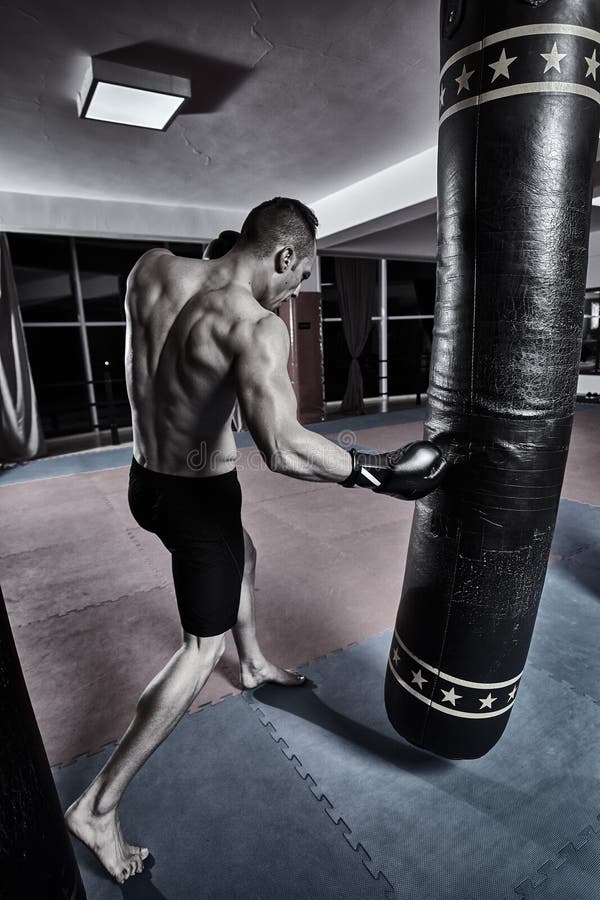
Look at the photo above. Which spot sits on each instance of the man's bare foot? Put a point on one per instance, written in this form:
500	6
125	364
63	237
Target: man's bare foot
254	674
103	835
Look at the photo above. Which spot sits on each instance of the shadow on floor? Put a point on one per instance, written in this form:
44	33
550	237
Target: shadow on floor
306	704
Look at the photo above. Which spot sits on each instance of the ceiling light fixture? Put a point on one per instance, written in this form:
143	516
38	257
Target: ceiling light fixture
126	95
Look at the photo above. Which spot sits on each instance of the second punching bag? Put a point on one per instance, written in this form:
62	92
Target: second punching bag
519	122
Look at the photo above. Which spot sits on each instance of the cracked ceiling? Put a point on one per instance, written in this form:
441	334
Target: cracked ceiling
288	98
323	94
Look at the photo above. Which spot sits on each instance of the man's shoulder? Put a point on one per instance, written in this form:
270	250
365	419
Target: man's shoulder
150	263
259	330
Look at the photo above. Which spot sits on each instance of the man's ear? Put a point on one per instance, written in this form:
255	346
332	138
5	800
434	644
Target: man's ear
284	259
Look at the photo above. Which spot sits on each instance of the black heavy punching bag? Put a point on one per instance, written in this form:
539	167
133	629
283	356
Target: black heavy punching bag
519	122
36	857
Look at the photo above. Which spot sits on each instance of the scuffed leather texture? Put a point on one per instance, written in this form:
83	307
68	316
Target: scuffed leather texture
514	202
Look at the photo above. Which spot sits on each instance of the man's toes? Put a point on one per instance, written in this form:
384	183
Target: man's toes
125	873
139	853
295	676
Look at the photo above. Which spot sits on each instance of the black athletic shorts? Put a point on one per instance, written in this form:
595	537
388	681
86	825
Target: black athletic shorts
199	522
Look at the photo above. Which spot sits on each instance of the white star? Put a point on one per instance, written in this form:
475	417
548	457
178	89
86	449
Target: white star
553	59
487	701
463	79
592	65
450	696
511	694
395	656
443	91
500	67
418	679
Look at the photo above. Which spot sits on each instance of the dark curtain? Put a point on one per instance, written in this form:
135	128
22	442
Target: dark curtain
20	435
356	281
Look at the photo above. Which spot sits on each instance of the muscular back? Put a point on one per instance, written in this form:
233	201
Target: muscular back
182	318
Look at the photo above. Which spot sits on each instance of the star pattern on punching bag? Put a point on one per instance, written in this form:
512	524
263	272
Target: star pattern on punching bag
463	79
593	64
553	59
540	58
502	65
417	678
449	693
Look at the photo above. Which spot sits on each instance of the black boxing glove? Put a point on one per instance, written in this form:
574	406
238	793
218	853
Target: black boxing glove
408	473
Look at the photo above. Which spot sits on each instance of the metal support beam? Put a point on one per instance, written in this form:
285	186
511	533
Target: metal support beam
383	335
85	347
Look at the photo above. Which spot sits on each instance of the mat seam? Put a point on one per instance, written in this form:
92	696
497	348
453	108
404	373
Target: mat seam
527	888
340	823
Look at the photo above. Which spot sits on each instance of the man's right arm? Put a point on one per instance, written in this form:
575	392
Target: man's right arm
268	405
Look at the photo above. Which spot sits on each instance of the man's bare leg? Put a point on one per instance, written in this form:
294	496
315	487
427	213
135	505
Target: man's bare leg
93	818
254	668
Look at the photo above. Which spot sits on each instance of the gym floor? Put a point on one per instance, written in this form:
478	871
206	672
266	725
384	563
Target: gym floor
307	792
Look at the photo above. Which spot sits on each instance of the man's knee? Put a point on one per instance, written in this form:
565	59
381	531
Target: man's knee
206	650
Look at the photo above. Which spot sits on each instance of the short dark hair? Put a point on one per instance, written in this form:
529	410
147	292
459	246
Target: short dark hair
280	221
221	245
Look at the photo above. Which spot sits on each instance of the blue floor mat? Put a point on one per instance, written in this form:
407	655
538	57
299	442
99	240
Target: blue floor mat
439	829
566	636
310	793
224	817
522	821
69	464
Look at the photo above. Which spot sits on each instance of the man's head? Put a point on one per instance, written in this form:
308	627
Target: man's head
281	234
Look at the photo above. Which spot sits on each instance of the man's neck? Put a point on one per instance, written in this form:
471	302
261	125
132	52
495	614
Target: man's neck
244	269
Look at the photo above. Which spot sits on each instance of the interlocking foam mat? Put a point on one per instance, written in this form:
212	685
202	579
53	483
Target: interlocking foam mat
309	792
224	817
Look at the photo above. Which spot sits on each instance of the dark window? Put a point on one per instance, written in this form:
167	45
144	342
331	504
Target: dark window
103	269
411	292
409	355
369	364
56	361
42	270
336	362
331	302
329	292
327	270
107	345
411	288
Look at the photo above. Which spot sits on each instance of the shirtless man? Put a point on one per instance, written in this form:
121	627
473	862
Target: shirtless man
200	333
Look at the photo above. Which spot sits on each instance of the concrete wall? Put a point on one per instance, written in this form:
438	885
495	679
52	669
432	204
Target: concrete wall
79	216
